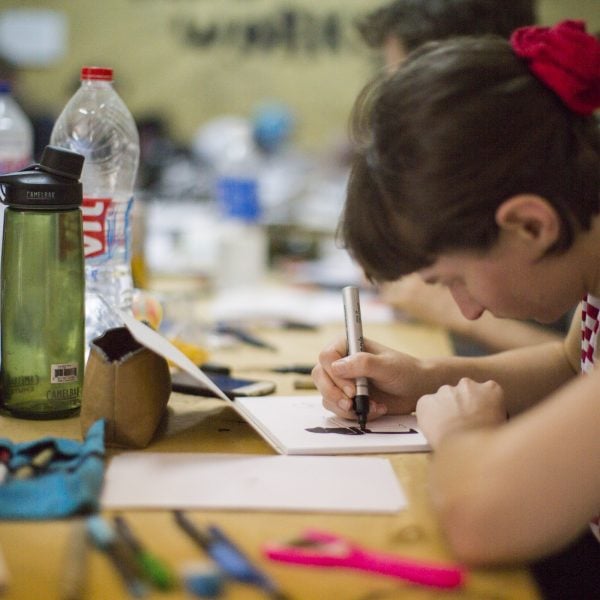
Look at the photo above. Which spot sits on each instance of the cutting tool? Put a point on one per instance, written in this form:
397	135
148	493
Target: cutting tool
324	549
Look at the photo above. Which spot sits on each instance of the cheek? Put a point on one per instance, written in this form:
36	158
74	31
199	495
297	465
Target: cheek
495	291
510	295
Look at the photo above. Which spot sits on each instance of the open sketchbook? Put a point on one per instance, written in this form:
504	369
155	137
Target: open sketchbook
296	424
300	425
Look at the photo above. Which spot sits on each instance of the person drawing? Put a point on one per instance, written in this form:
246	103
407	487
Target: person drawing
478	168
395	29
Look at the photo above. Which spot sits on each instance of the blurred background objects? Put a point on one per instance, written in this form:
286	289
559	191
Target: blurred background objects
270	81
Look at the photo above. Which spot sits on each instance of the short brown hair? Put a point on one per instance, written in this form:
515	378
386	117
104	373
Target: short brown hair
414	22
462	126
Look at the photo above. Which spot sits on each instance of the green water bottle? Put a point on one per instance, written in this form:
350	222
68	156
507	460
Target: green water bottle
42	288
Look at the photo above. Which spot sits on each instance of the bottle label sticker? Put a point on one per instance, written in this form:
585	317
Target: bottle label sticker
95	213
64	373
23	383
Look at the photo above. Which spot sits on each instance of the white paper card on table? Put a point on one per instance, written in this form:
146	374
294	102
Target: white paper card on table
147	480
301	425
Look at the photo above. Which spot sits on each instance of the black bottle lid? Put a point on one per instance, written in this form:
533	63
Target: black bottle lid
62	162
53	184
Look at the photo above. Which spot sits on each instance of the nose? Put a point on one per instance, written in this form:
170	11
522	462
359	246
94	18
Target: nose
468	307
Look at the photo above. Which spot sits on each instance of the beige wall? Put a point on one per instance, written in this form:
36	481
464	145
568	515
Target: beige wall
159	70
555	10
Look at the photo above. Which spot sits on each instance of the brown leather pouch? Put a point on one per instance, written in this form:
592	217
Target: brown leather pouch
126	384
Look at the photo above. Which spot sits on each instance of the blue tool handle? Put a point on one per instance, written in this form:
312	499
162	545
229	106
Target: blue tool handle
232	563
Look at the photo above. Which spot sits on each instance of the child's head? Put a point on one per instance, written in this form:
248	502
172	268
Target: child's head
414	22
459	129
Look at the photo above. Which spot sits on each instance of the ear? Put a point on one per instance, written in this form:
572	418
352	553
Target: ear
532	218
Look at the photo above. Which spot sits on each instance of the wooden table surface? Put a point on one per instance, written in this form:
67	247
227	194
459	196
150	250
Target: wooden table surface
34	552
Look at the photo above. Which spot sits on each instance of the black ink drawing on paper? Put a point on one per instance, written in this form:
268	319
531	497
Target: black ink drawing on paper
351	430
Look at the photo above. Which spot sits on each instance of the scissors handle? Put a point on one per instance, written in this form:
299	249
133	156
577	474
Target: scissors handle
416	571
328	550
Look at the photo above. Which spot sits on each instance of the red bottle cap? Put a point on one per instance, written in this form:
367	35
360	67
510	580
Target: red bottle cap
97	73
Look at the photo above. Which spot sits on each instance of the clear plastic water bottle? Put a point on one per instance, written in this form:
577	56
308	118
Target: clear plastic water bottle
43	288
16	133
242	247
97	124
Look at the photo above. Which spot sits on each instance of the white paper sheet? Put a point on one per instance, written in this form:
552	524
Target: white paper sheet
300	425
249	482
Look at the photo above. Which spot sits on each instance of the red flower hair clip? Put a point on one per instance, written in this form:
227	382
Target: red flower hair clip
566	59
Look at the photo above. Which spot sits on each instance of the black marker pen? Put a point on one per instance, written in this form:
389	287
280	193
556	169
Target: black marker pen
354	337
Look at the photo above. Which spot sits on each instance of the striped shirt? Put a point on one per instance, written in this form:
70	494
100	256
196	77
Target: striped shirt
589	338
589	331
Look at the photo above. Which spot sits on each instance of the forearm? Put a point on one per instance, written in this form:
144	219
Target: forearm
485	518
524	488
526	375
434	304
504	334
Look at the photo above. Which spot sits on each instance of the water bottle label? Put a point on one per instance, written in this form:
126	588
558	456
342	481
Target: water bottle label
64	373
22	383
95	226
125	240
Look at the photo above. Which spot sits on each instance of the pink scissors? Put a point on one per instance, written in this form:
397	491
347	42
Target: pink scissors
319	548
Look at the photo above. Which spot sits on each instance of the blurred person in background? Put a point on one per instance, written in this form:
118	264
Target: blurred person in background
398	27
